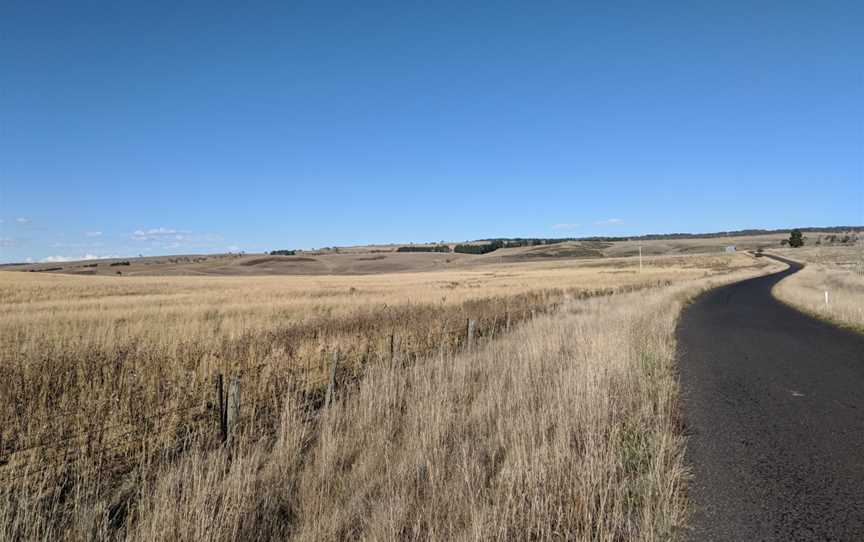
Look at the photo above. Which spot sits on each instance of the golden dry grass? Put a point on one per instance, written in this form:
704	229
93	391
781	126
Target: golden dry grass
836	270
563	428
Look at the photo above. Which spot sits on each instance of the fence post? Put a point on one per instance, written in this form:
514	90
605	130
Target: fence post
233	410
469	334
331	386
220	408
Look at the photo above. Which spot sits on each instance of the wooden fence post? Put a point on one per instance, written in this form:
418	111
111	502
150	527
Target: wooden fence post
469	334
331	387
233	410
394	349
220	408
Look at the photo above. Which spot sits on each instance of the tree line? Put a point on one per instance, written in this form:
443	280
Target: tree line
426	248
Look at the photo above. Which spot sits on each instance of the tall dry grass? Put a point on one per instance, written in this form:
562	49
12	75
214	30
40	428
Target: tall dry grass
839	271
563	428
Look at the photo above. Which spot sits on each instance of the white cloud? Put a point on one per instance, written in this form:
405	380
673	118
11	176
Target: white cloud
23	220
233	248
609	222
60	259
28	259
93	233
7	242
174	239
154	234
565	226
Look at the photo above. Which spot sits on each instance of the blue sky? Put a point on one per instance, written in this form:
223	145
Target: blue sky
165	127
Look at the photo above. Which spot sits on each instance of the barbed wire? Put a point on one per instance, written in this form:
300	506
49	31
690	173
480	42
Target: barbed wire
56	443
24	470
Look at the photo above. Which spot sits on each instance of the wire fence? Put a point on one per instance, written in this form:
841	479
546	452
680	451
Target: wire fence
92	439
69	443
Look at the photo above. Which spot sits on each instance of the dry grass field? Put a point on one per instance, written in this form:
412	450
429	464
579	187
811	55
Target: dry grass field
560	423
836	270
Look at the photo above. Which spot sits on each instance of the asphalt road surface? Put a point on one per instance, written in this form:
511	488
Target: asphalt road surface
774	413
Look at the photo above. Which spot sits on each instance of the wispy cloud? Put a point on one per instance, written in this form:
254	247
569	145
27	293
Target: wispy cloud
609	222
23	220
93	234
86	245
174	239
6	242
565	226
154	234
61	259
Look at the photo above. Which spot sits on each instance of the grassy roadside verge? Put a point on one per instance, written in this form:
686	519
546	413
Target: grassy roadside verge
826	272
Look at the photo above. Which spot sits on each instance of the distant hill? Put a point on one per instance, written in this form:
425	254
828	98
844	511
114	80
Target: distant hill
373	259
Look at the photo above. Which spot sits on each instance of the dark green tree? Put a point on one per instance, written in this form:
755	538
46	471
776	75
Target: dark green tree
796	239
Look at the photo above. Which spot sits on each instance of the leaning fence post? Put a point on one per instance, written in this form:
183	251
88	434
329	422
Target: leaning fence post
469	334
233	410
331	386
220	408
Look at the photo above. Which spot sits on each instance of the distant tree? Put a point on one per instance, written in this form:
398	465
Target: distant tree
796	239
434	248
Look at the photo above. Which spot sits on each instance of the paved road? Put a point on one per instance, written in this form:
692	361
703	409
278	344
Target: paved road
774	412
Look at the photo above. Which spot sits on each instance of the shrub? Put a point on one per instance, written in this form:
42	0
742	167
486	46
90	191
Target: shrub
435	248
796	239
479	249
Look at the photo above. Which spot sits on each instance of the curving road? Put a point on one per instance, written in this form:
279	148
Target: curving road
774	413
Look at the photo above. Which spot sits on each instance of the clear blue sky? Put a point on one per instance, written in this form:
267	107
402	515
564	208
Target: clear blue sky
169	127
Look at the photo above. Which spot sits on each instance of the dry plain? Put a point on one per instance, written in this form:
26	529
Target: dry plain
560	422
378	259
